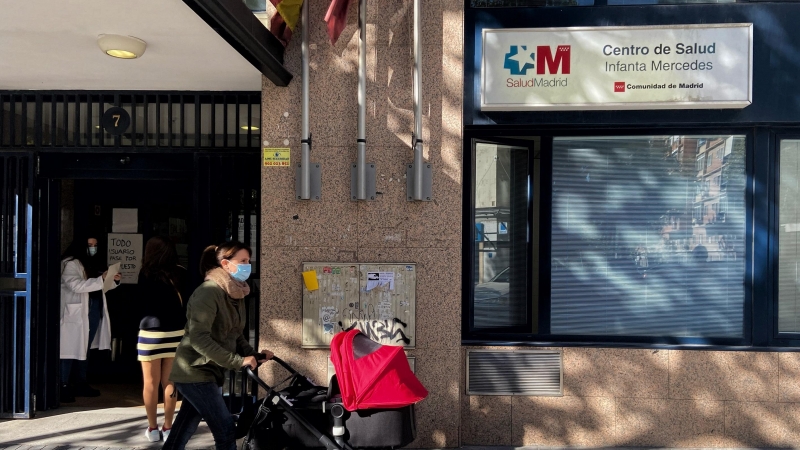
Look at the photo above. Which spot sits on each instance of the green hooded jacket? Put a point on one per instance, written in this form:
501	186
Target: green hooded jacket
213	342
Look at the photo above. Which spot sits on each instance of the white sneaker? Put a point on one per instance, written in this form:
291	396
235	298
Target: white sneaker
165	433
152	435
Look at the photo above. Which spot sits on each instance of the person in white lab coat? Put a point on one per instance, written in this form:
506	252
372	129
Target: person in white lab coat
84	315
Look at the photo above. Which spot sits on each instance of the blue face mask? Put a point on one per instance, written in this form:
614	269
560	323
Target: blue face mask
242	272
92	251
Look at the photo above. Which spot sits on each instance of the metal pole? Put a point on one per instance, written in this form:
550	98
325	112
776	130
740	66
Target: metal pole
418	161
305	156
361	160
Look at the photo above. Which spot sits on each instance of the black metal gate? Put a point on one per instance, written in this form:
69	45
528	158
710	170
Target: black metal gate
227	204
16	283
210	140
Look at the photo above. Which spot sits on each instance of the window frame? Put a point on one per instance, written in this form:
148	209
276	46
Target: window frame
468	261
758	318
776	136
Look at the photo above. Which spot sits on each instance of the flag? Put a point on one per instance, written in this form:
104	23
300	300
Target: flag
285	19
336	18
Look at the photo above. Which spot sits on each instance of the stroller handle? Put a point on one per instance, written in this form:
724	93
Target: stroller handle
250	373
255	378
283	364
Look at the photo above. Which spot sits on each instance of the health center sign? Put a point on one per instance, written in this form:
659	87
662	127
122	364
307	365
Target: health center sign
608	68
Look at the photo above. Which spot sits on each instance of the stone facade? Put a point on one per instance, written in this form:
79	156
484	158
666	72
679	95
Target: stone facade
612	397
389	229
649	398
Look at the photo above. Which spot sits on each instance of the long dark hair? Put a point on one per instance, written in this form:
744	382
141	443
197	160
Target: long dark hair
161	260
214	254
78	249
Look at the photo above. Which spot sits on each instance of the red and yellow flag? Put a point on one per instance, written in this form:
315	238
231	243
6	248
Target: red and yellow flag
285	20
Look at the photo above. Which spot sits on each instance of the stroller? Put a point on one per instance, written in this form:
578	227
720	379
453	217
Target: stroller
368	404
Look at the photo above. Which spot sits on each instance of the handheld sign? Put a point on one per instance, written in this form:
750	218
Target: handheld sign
126	249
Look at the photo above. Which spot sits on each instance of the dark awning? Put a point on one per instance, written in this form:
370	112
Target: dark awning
234	21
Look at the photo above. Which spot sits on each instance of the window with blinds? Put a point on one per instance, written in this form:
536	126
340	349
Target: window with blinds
789	238
647	236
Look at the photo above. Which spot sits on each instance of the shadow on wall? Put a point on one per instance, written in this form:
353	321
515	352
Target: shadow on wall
670	398
658	398
389	229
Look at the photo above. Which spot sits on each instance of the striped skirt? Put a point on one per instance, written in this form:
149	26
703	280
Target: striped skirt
154	345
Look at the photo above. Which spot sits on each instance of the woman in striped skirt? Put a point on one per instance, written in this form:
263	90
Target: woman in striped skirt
161	281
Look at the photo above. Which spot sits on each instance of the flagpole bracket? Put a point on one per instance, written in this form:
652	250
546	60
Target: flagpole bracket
369	182
427	181
308	182
419	175
315	181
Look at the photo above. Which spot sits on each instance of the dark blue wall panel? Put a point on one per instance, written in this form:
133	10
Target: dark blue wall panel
776	61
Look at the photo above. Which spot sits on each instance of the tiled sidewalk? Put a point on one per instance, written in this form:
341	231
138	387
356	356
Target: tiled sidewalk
76	428
119	429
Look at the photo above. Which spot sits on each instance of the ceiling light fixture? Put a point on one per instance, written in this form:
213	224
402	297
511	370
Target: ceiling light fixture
124	47
251	128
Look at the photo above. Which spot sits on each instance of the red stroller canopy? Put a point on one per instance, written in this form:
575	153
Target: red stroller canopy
372	375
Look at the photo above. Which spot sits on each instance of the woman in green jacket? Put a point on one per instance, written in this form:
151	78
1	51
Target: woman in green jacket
213	344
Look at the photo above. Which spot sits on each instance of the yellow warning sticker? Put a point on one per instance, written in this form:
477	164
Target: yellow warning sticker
276	157
310	280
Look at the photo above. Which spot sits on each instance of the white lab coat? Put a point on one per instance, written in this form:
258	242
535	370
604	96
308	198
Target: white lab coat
75	288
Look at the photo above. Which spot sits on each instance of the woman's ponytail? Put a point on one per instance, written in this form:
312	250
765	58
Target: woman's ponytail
208	260
213	254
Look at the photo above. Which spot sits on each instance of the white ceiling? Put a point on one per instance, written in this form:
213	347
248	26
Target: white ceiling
49	44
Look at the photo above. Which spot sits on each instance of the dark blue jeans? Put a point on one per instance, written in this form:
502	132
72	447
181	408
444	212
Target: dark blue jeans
202	401
82	366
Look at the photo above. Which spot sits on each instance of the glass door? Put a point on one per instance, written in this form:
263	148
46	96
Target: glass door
503	268
16	221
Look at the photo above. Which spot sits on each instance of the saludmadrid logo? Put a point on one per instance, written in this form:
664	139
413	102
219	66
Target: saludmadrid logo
520	59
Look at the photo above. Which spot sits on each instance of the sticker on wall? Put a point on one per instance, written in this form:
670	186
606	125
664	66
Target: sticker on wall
276	157
310	280
327	316
377	279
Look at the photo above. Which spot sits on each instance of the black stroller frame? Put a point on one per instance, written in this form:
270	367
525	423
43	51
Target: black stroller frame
275	399
309	408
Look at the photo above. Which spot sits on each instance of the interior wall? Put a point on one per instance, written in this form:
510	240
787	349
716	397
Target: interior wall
87	205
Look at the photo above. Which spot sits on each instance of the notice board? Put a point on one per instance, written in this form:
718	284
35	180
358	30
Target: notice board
378	299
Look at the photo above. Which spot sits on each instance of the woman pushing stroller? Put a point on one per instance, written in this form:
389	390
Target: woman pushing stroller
213	344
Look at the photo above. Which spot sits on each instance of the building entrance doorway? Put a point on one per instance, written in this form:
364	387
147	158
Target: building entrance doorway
193	199
188	166
153	208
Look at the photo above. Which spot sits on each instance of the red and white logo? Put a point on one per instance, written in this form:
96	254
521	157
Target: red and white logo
558	63
619	86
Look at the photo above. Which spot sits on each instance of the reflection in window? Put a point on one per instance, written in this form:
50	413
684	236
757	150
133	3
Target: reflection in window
634	250
501	231
665	2
256	5
527	3
533	3
789	238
